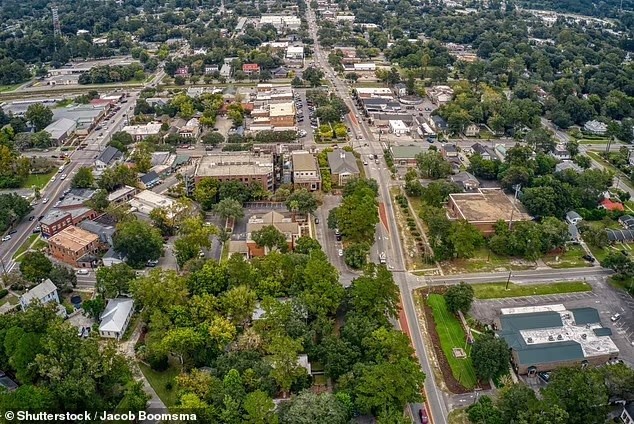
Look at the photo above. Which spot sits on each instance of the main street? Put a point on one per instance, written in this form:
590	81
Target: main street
388	239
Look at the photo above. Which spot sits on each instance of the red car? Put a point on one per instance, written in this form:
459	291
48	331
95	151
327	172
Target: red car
423	416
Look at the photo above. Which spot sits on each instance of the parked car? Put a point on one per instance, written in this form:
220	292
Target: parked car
422	414
615	317
37	229
6	238
31	218
152	263
340	252
589	258
45	200
544	376
83	272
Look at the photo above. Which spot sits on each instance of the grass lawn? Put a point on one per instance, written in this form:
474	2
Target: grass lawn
159	381
38	180
451	336
571	258
627	284
597	141
6	88
25	245
485	261
497	290
11	299
458	416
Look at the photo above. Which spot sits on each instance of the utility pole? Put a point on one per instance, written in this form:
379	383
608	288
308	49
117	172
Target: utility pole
508	280
517	187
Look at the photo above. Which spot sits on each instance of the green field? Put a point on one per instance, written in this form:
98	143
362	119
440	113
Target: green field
451	336
38	180
27	243
7	88
498	290
485	261
571	258
159	381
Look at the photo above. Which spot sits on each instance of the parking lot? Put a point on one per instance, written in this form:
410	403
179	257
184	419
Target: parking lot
604	298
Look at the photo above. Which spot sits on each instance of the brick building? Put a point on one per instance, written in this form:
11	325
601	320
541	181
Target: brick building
75	247
246	168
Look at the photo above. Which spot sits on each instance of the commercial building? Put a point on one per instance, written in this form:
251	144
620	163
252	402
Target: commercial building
85	116
305	171
121	195
405	155
282	114
343	166
191	129
75	247
43	293
367	92
141	132
272	93
244	167
484	208
55	221
146	201
105	232
251	68
283	224
295	52
398	127
149	180
440	94
281	22
116	318
61	130
543	338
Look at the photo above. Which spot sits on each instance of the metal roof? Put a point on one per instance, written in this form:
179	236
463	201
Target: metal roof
550	352
620	235
585	316
529	321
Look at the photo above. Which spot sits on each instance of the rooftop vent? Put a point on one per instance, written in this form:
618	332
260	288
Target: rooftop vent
560	337
551	338
584	336
529	340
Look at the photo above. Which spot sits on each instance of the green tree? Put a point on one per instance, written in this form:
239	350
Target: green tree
270	238
484	412
305	200
63	277
99	200
355	255
229	208
322	294
375	294
459	297
83	178
284	359
238	304
432	165
138	241
306	244
490	356
159	291
39	116
514	399
213	138
310	408
259	408
206	192
35	267
114	280
182	342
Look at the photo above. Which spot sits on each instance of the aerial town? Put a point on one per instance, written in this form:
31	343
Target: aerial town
280	212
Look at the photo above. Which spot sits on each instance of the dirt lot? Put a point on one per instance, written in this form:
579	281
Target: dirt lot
605	298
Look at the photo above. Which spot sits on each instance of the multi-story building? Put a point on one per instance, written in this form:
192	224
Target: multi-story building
190	130
305	171
75	247
141	132
282	114
343	167
44	292
109	157
251	68
246	168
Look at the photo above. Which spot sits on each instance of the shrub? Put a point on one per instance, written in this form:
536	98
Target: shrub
3	293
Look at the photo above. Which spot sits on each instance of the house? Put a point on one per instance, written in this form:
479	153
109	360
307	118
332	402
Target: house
400	89
109	157
486	152
560	152
440	94
500	151
149	180
182	72
546	337
595	127
251	68
472	130
103	231
484	208
75	247
620	236
343	167
283	224
44	292
438	123
609	205
573	218
305	171
112	257
116	318
7	383
190	130
280	72
449	150
225	70
627	415
568	165
61	130
210	69
405	155
466	180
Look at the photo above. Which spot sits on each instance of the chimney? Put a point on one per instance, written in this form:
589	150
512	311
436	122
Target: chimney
342	154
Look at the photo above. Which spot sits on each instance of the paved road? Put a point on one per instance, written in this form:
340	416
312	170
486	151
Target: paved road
387	238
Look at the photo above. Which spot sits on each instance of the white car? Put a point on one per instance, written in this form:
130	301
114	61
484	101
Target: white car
45	200
615	317
83	272
63	177
6	238
53	178
191	148
340	252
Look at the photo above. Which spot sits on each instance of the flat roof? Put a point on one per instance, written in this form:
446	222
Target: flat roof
73	238
147	129
234	164
303	161
486	205
282	109
406	152
398	124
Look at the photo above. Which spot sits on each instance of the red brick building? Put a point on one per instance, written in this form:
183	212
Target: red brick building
251	68
75	247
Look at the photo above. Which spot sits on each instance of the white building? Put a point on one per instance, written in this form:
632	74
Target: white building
191	129
141	132
365	67
116	318
398	127
44	293
295	52
595	127
146	201
281	22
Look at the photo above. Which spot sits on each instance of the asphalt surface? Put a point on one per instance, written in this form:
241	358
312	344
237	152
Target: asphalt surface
387	238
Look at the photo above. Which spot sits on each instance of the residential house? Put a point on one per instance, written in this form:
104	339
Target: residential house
251	68
627	415
103	231
44	292
7	383
627	221
283	224
61	130
112	257
75	247
305	171
116	318
182	72
610	205
595	127
438	123
343	166
146	201
225	70
405	155
500	151
449	151
440	94
109	157
149	180
573	218
472	130
560	152
485	152
466	180
400	89
190	130
620	236
210	69
280	72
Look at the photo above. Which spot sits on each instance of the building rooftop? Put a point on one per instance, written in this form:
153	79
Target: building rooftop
147	200
406	152
39	292
342	162
120	192
235	164
116	314
81	113
303	161
551	333
60	127
73	238
282	109
486	205
109	155
147	129
283	224
53	216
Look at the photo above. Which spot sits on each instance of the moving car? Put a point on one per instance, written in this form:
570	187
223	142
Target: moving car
45	200
422	414
340	252
382	258
63	177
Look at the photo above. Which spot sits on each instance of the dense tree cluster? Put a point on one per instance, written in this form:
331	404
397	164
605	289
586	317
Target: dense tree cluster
12	209
116	73
450	239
